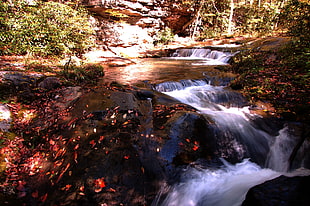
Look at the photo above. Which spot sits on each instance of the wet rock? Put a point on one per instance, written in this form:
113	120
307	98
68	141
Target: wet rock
282	191
299	157
67	97
19	79
126	101
49	83
187	140
115	137
19	83
106	129
144	94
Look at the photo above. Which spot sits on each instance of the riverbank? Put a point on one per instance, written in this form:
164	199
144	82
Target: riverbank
277	74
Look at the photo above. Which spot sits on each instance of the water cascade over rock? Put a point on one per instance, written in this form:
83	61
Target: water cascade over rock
239	136
217	57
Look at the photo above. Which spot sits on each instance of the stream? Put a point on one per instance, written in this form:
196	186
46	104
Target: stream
249	149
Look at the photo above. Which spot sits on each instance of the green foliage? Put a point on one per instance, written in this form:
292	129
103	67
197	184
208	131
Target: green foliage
212	17
295	18
48	28
164	36
88	73
257	21
280	77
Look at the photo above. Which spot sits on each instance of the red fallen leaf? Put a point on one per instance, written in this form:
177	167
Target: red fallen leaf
35	194
187	140
100	182
92	142
43	198
126	157
82	188
58	163
90	115
52	142
116	108
195	147
60	152
63	172
66	188
76	147
100	139
75	156
111	190
72	121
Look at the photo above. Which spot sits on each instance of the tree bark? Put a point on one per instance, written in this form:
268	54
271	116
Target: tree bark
230	23
195	18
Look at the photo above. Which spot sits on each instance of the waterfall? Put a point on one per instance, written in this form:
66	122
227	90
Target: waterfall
237	136
231	122
226	186
211	57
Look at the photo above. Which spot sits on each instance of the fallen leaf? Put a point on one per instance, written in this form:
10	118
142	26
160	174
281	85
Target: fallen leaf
43	198
92	142
35	194
126	157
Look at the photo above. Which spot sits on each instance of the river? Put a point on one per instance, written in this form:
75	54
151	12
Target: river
194	77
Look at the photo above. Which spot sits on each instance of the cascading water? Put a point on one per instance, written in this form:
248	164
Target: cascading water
232	123
217	187
238	139
210	57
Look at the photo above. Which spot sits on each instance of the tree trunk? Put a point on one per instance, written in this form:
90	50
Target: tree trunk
230	23
195	18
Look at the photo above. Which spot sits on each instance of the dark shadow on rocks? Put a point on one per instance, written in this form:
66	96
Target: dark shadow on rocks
282	191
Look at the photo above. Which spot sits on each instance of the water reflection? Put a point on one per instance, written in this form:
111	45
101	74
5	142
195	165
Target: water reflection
158	70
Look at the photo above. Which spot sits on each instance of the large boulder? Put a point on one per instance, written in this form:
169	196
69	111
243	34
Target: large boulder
282	191
20	84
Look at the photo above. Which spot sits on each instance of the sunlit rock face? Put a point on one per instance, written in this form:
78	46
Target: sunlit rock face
130	25
146	13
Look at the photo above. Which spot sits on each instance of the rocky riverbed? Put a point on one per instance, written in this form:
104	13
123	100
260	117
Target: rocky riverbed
105	143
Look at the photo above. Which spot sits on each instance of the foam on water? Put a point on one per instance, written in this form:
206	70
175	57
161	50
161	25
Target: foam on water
228	185
220	187
209	57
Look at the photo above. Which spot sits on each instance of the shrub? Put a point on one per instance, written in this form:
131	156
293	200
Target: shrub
47	28
295	17
88	73
164	36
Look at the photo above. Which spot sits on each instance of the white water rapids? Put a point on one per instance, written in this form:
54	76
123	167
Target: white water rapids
228	185
210	57
221	187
